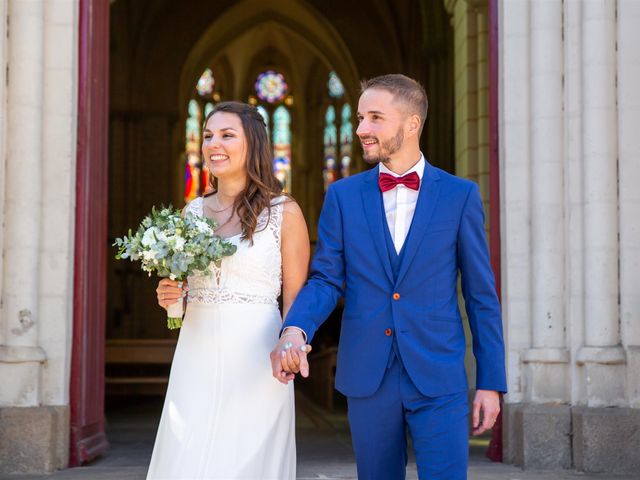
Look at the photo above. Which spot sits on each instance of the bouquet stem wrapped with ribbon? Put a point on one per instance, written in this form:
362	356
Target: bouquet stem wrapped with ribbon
175	246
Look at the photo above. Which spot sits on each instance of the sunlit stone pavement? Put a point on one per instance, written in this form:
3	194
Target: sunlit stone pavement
324	450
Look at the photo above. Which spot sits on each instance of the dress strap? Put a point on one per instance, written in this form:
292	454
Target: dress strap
277	213
271	219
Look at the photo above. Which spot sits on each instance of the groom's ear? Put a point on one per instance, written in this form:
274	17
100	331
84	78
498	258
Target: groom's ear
414	124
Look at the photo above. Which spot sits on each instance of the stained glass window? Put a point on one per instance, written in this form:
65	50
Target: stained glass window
203	99
206	83
336	89
330	143
346	139
338	133
193	175
282	146
204	175
271	86
207	109
271	98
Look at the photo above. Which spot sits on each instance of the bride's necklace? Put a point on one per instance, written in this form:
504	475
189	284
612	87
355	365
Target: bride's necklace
222	210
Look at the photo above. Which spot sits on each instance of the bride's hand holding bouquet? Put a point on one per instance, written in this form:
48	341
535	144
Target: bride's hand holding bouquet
174	246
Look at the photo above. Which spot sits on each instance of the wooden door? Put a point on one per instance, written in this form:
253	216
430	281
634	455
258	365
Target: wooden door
87	436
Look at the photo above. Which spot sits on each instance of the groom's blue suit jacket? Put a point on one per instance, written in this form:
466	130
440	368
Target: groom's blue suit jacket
418	306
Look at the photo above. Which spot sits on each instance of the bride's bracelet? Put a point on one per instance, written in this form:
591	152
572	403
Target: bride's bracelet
291	334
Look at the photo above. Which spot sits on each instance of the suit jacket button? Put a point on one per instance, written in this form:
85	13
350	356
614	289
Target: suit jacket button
396	296
387	332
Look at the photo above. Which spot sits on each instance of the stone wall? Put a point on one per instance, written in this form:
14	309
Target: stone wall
38	122
571	217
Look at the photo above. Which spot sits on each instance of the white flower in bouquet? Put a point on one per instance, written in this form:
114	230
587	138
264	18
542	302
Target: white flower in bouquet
170	245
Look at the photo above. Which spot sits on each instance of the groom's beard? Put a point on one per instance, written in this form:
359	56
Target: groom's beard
386	149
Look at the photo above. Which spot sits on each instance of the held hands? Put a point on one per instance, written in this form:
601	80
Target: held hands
487	405
290	356
170	292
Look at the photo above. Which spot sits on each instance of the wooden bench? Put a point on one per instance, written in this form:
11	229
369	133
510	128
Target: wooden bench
138	366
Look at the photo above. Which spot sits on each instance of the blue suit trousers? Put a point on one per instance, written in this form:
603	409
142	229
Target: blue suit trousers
438	427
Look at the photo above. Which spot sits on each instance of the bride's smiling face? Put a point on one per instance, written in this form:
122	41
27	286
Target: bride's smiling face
224	145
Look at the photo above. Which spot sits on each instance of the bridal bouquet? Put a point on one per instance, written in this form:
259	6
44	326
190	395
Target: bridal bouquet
174	246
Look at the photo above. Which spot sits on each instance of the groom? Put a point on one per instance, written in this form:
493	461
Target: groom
392	241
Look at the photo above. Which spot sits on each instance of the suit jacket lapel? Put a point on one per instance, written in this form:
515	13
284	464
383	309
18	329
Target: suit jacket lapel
427	199
372	207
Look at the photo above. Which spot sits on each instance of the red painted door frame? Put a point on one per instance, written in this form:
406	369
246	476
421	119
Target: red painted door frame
494	452
87	437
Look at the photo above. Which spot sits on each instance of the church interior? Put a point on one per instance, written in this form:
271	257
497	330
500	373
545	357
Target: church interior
301	64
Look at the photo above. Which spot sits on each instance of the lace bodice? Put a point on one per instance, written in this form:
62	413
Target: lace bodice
251	275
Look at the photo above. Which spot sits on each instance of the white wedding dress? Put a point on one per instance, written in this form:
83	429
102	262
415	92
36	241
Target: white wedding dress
225	417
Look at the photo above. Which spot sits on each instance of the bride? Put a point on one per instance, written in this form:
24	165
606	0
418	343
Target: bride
225	415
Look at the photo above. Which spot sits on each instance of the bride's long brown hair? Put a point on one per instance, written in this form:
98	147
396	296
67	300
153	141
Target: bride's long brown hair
262	184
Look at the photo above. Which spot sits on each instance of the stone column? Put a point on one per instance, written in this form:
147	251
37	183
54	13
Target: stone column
546	362
629	168
38	246
602	356
515	207
537	430
20	355
3	128
600	433
57	219
596	147
515	211
574	169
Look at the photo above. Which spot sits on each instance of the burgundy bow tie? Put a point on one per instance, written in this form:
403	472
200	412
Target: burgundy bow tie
388	182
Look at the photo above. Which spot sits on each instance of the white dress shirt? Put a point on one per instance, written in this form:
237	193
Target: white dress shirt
400	204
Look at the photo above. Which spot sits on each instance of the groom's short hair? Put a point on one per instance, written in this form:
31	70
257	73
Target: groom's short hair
404	89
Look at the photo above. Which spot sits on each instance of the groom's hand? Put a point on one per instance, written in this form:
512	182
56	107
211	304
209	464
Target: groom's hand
290	356
487	405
